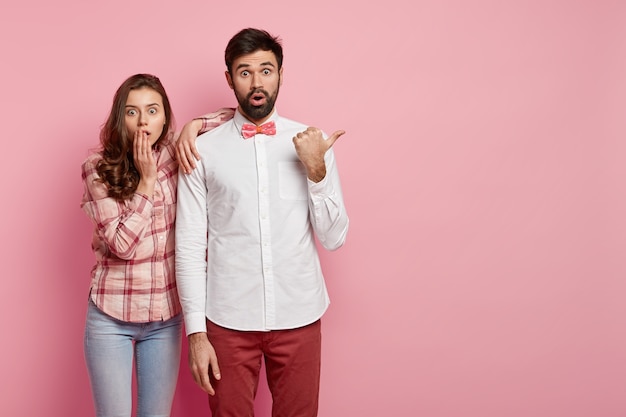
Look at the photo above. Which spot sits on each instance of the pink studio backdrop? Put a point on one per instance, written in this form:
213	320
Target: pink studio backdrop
483	170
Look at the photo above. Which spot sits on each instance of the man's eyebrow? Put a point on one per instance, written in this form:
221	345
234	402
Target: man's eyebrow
262	64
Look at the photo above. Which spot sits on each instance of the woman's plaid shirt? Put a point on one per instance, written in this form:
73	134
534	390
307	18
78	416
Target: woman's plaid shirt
134	279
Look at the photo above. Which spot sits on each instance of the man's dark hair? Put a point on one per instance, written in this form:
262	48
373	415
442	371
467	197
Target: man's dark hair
249	40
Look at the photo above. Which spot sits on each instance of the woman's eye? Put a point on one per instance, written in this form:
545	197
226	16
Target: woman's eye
131	112
152	111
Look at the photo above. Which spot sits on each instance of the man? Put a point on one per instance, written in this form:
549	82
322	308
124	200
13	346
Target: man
247	267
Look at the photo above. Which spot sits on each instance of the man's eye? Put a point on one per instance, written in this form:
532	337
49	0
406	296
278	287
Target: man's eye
266	72
245	73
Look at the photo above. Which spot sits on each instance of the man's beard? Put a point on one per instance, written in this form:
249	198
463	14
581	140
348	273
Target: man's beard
257	112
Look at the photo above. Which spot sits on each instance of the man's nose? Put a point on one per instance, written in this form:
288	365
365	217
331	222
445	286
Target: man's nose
256	81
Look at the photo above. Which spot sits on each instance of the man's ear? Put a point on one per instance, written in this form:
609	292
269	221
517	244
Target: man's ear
229	80
280	73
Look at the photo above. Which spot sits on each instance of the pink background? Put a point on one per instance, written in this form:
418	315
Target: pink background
483	171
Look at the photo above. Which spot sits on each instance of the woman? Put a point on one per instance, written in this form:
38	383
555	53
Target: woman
130	196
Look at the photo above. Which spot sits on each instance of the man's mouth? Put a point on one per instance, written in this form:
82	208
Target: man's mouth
257	98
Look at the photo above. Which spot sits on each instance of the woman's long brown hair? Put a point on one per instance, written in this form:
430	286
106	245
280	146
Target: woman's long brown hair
117	168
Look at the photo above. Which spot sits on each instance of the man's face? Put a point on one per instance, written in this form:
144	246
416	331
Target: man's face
255	79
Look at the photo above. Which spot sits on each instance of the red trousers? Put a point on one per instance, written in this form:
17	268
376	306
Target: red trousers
292	363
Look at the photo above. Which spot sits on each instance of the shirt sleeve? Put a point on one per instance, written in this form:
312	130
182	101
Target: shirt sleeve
212	120
191	248
120	225
326	207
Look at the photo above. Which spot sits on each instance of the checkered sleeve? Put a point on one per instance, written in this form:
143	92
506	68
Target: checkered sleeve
121	225
215	119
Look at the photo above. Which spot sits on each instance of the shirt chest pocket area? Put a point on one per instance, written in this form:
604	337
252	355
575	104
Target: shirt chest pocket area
292	182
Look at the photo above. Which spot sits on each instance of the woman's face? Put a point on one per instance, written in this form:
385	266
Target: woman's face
144	111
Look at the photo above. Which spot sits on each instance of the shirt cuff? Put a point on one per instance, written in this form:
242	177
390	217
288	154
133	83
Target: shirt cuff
195	323
320	190
143	205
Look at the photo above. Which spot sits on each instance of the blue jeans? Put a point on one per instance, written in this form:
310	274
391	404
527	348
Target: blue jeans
110	346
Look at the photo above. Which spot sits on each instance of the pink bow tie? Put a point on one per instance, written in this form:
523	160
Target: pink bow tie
248	130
